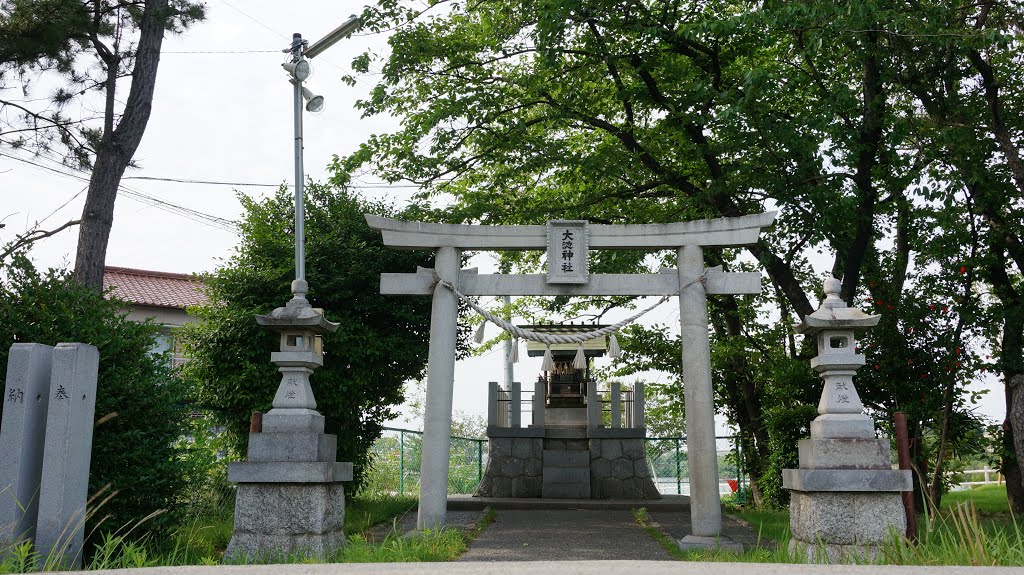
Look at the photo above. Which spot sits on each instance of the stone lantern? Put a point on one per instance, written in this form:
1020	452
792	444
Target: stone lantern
290	495
845	497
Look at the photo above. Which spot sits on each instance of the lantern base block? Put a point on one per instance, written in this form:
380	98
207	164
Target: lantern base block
842	426
279	420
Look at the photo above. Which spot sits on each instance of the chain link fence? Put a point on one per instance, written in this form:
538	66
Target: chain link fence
396	463
669	465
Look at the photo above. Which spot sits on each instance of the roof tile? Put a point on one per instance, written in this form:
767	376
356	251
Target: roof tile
158	289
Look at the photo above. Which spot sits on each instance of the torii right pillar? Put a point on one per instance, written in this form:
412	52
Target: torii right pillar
702	454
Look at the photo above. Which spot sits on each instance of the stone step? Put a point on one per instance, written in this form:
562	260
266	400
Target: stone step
570	444
561	475
566	458
552	432
566	491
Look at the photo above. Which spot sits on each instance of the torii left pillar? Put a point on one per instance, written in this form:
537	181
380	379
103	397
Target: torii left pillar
437	427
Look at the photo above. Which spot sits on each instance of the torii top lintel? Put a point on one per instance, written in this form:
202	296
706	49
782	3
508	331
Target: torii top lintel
739	231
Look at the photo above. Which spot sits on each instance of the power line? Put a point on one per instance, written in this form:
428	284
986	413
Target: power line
229	5
188	213
220	52
205	182
254	184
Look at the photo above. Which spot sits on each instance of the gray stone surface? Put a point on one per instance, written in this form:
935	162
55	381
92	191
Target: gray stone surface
565	416
691	542
292	421
564	535
618	470
563	432
437	420
570	475
26	396
705	500
289	472
294	446
845	518
497	431
288	518
565	458
60	530
514	468
834	552
622	432
868	480
845	453
842	426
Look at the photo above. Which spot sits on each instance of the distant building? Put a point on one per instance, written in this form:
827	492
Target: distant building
159	296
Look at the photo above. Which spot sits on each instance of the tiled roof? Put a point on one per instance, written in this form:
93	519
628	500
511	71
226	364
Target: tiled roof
158	289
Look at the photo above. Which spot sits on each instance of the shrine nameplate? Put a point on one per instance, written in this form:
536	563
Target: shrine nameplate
568	243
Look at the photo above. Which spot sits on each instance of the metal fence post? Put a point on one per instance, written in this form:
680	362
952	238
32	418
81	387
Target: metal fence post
739	460
679	479
401	462
480	460
492	403
515	405
616	404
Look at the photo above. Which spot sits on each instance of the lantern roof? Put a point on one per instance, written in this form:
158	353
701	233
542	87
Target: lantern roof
298	314
833	313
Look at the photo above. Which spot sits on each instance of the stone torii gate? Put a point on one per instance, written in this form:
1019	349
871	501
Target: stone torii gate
567	275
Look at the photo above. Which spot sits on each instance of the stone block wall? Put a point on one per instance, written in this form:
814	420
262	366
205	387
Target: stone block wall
618	470
515	468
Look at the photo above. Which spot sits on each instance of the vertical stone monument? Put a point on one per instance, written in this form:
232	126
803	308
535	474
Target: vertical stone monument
26	397
845	497
290	497
60	531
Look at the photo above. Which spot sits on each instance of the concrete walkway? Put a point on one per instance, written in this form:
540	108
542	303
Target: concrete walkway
559	568
564	535
582	529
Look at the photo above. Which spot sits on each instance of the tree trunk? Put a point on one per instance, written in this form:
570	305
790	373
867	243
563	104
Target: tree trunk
117	148
742	397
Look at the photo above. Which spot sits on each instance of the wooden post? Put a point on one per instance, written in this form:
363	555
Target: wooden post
903	454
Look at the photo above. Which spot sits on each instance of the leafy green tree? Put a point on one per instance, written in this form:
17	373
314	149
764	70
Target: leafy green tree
619	111
381	343
140	407
89	46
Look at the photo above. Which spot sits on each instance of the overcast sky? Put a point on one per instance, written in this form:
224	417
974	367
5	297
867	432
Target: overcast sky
223	112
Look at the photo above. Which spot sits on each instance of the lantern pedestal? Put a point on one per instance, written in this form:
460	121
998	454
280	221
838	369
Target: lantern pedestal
290	497
845	497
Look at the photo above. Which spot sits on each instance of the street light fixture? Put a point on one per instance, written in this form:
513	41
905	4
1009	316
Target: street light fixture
314	102
298	68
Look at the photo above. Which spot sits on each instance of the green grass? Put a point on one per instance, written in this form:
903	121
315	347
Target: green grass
203	540
364	511
771	525
988	499
975	528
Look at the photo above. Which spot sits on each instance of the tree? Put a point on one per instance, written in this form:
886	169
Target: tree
140	407
90	45
625	111
381	343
